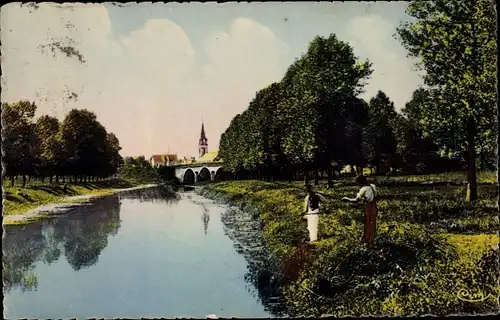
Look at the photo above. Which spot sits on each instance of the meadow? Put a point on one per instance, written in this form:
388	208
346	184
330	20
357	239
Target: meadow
434	253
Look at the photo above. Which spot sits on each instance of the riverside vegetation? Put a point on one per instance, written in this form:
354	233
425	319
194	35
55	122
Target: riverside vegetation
430	246
49	162
18	199
436	238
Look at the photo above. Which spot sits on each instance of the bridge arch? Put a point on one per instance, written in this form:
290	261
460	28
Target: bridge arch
204	175
188	176
191	174
218	174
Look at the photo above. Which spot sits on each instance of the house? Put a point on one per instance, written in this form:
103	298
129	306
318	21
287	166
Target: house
157	160
209	157
187	160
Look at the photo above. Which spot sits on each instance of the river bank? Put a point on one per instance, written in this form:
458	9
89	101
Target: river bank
24	205
431	245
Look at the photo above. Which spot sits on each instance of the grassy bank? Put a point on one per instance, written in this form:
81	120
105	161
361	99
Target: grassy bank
19	200
430	246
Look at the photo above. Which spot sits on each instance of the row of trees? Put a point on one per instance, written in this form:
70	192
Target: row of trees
312	121
307	120
138	169
78	148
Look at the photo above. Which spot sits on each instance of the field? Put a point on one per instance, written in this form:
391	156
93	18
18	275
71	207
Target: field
18	200
433	252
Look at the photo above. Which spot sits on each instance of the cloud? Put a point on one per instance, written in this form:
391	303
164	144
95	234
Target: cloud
240	61
149	87
32	71
371	37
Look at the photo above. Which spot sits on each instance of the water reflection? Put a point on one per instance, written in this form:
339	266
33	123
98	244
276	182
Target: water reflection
205	217
157	263
80	237
157	194
246	232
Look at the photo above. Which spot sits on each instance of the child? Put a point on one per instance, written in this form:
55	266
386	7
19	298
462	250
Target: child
312	209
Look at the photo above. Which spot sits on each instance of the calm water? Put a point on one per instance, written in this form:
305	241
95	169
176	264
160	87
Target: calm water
140	254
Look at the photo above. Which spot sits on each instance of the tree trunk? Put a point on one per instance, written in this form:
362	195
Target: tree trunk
306	176
482	161
471	169
12	181
330	177
24	180
50	179
359	170
316	176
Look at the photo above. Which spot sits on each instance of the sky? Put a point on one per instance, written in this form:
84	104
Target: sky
153	72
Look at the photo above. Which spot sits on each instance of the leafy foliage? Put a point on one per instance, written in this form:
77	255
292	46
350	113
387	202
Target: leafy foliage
307	120
79	146
139	170
456	44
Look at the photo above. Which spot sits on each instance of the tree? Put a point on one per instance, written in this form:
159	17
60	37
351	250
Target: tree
46	130
19	141
380	143
456	43
85	142
112	154
328	69
304	120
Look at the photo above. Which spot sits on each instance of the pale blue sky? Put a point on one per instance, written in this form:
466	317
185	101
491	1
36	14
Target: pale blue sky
153	71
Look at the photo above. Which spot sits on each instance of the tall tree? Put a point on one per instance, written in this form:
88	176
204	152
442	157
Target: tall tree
456	43
380	143
46	129
19	141
328	68
85	142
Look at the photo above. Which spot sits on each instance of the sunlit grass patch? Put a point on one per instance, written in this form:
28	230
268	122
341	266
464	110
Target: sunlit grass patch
472	247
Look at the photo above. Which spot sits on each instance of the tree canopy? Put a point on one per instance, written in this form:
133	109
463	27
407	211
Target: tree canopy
78	147
455	41
308	119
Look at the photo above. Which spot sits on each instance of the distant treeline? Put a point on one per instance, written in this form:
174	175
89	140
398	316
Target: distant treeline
139	169
78	149
312	122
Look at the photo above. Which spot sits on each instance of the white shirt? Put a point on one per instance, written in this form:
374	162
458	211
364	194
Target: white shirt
309	210
367	193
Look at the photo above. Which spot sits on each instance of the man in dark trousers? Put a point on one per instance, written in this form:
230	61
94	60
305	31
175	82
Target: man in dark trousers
368	194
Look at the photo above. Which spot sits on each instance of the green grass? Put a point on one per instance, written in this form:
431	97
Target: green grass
19	200
430	244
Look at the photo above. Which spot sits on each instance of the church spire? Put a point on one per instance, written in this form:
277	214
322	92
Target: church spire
203	142
202	136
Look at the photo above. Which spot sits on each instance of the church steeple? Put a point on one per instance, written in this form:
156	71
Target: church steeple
203	142
202	136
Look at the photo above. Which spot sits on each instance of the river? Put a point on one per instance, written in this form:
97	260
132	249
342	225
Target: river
143	253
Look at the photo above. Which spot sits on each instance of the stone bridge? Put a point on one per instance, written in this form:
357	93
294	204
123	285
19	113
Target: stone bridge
197	172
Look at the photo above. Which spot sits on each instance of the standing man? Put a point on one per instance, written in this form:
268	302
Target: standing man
312	210
368	194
